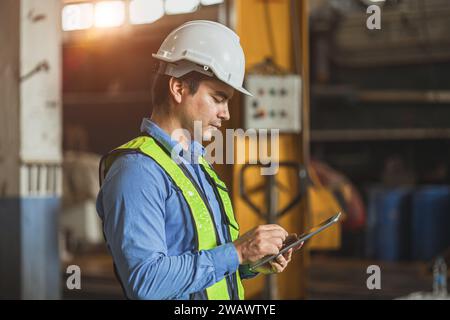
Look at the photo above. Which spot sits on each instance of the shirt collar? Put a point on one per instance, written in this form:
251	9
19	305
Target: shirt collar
195	148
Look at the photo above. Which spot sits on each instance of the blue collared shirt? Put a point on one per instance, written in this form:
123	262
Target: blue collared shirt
150	232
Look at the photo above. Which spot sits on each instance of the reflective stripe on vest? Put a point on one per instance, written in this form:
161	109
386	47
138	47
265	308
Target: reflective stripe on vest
204	225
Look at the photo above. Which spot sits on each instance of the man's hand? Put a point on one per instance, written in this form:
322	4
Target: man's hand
280	263
259	242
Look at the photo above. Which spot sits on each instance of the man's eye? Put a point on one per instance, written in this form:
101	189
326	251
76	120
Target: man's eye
217	100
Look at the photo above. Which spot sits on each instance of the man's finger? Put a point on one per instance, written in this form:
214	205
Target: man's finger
270	249
273	234
268	227
276	267
299	246
281	260
288	255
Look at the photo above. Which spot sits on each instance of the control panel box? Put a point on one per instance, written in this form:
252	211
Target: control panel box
276	103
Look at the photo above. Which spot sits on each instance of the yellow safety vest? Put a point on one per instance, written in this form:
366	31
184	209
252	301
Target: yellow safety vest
205	230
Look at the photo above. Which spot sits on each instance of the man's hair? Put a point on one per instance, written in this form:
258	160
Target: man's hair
160	87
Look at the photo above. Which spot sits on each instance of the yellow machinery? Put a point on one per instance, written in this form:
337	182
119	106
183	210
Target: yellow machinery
288	48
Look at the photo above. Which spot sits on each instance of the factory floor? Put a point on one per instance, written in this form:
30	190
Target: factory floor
328	278
339	278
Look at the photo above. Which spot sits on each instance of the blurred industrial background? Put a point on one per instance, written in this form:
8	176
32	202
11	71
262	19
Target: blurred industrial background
363	112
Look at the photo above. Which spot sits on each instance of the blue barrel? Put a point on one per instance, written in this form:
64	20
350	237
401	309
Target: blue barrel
389	224
431	222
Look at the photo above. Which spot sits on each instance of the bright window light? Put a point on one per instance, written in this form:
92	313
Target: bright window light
146	11
109	14
210	2
181	6
77	16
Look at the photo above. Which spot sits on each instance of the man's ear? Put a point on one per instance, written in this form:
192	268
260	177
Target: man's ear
176	89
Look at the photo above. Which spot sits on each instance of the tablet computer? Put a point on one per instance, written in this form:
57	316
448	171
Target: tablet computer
303	237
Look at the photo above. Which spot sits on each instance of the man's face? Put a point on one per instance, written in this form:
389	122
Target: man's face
209	105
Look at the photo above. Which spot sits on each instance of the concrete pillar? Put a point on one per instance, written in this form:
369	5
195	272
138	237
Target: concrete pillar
30	148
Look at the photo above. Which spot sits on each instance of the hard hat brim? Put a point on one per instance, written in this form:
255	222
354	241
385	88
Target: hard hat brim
244	91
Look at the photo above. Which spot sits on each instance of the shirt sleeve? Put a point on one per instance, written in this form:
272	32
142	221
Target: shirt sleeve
131	204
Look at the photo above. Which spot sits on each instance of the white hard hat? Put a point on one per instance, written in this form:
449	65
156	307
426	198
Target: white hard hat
207	47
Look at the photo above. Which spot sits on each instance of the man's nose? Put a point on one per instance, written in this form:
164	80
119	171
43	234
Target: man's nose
224	114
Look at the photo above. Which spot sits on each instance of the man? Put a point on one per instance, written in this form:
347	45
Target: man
167	217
